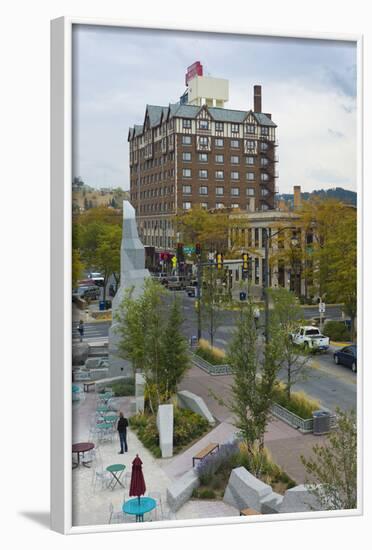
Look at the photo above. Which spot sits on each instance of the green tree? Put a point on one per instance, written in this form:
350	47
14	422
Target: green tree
151	339
286	316
333	468
254	379
77	267
174	351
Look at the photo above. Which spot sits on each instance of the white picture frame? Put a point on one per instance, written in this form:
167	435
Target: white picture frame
61	346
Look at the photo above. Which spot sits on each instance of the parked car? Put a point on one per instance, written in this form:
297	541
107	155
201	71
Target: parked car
310	338
97	278
90	292
347	356
192	289
177	282
161	278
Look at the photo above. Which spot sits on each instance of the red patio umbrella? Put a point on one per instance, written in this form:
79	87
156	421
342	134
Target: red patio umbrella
137	481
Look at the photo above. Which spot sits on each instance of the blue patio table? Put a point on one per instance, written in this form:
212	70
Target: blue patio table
116	470
110	418
139	507
103	409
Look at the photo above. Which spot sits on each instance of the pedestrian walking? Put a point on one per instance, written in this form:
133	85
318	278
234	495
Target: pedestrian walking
122	429
81	329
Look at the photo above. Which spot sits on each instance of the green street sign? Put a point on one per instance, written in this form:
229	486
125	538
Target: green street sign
189	249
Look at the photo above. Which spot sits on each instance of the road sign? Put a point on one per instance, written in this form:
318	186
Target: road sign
188	249
322	307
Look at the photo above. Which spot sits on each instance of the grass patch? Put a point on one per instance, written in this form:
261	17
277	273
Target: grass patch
188	427
299	403
214	356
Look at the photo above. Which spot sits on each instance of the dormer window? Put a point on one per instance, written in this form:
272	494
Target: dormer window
204	124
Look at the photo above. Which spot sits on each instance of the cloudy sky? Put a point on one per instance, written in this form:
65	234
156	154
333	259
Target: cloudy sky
309	87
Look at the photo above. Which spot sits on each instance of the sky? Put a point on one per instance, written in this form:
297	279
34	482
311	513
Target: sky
309	86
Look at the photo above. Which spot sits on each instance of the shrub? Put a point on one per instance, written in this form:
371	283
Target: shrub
213	355
206	493
299	403
336	330
124	387
222	460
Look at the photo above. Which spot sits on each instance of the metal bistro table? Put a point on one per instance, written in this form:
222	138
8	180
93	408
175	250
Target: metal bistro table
81	448
139	507
116	470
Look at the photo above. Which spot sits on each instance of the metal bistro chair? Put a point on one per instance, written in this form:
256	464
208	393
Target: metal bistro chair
100	476
116	516
157	513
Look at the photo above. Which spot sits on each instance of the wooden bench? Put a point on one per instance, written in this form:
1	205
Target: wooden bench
249	512
209	449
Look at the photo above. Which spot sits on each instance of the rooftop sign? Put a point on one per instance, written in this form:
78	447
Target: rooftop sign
196	69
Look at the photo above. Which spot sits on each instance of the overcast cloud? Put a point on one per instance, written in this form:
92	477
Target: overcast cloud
308	86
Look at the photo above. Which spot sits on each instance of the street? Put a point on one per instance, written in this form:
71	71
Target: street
333	385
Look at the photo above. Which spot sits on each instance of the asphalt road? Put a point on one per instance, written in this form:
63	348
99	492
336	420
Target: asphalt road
333	385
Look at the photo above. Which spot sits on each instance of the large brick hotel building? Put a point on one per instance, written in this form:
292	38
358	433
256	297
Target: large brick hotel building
197	152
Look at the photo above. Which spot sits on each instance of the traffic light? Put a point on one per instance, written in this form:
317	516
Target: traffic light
219	260
198	249
245	265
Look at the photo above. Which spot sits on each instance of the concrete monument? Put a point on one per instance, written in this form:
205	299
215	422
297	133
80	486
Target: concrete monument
132	275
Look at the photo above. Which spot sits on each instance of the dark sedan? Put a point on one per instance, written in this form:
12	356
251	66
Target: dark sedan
347	356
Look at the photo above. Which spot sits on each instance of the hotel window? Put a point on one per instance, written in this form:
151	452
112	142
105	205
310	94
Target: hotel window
234	144
203	190
186	189
250	176
219	159
219	190
186	205
250	129
235	128
220	205
219	174
186	123
264	146
264	161
250	192
251	144
203	174
234	159
219	126
264	131
186	157
264	192
218	142
203	157
186	140
235	191
234	175
186	173
204	124
235	205
203	142
264	177
204	205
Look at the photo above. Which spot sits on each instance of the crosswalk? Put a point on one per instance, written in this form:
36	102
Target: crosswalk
92	333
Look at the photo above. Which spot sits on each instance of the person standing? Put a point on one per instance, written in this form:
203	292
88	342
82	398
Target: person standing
122	429
81	329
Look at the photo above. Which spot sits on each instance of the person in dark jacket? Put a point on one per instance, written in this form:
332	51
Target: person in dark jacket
81	329
122	429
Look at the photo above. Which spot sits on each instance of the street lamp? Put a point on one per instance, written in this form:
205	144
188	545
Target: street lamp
268	238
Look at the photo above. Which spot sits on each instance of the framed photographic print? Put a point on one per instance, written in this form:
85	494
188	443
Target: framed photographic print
205	311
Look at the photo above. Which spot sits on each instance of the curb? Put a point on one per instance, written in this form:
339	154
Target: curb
340	344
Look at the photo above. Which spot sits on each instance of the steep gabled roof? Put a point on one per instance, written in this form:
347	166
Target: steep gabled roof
263	119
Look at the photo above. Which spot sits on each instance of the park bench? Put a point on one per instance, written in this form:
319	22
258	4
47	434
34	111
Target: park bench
249	512
209	449
88	385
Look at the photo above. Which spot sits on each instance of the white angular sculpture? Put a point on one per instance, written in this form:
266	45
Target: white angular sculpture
132	275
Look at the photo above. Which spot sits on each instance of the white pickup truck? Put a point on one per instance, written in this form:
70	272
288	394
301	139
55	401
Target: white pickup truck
310	338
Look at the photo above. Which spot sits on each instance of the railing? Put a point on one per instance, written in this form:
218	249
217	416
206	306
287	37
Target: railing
213	370
303	425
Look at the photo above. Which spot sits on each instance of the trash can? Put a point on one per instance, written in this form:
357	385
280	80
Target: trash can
102	304
242	296
193	341
321	422
108	304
